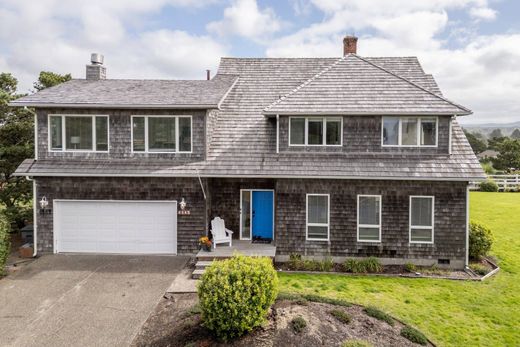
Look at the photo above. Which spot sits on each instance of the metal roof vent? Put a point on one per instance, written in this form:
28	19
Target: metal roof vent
96	70
97	59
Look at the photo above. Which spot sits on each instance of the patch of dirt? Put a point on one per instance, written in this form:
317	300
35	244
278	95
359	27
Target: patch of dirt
175	323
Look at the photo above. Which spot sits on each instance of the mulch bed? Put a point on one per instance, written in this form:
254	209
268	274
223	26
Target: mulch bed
175	323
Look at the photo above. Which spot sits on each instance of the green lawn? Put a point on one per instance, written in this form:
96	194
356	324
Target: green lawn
451	313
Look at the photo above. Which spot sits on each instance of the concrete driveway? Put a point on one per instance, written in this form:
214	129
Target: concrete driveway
83	300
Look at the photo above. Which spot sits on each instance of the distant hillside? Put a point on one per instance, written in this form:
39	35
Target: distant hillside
487	128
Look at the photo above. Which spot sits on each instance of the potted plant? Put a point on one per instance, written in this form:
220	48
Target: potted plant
205	243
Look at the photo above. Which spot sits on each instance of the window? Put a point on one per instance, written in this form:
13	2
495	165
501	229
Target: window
320	131
78	133
421	219
318	217
409	131
369	218
161	134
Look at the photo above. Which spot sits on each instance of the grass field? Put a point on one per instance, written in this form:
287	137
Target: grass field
450	313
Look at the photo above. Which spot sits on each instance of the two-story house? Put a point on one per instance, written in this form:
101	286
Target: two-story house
345	157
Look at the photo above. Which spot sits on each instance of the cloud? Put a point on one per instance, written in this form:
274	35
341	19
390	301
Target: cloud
483	13
60	35
244	18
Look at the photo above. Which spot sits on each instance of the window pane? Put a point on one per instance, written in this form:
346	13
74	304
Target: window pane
428	132
161	134
56	132
184	134
314	232
138	134
390	130
422	211
333	132
315	132
297	131
246	214
78	132
318	209
369	234
421	235
369	210
409	131
101	134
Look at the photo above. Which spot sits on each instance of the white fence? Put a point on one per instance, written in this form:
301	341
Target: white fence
504	182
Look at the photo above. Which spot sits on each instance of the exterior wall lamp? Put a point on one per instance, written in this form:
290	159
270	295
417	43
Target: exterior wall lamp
44	204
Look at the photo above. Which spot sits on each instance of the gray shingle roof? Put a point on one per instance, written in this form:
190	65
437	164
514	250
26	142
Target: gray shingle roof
243	139
118	93
355	86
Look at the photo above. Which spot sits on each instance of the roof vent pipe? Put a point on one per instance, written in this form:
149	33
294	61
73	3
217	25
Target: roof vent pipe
208	74
96	70
349	45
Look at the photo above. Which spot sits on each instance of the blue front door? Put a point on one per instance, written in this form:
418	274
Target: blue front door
263	214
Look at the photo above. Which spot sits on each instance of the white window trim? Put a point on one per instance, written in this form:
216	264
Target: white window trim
370	225
146	148
307	224
410	226
64	136
306	131
399	137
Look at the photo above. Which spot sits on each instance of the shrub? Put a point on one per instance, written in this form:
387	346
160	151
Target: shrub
356	343
409	267
5	242
368	265
327	264
297	263
378	314
488	186
340	315
480	240
235	295
298	324
414	336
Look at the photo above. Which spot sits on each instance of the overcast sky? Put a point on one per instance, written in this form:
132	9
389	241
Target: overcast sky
472	47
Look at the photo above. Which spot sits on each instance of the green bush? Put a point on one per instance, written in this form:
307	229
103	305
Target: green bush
5	242
356	343
340	315
488	186
298	324
409	267
235	295
480	240
378	314
479	269
368	265
296	263
414	336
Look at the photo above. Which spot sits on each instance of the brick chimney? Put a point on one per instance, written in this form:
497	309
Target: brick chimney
96	70
349	45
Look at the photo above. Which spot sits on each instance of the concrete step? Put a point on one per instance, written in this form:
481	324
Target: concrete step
197	273
201	264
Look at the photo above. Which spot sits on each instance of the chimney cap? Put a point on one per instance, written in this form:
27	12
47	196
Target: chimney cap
97	58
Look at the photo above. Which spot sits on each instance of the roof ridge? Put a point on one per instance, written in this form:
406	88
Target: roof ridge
306	82
413	83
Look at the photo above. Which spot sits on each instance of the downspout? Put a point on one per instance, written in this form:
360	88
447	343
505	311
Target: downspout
277	134
449	134
466	261
35	215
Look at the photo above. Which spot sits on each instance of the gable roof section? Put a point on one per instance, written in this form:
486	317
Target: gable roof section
118	93
353	85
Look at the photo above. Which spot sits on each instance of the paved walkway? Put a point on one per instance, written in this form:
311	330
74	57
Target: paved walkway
83	300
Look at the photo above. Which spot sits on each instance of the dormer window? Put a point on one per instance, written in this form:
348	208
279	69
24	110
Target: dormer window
409	132
315	131
161	134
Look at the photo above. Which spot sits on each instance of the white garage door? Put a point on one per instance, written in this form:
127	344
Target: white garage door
136	227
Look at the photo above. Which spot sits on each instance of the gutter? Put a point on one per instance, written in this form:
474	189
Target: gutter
112	106
359	113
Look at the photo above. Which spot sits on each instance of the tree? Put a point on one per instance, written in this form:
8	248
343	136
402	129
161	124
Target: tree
17	144
515	134
50	79
509	155
495	142
496	133
478	145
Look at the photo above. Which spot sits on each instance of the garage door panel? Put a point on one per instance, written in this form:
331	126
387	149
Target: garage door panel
142	227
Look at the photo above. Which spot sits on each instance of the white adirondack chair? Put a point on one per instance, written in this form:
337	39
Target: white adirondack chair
220	233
